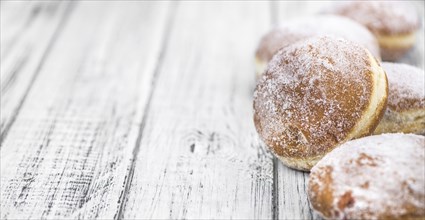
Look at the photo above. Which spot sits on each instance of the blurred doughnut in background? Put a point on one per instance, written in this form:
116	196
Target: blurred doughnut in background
294	30
394	23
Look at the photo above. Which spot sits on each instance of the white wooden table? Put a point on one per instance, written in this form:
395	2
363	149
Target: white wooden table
140	110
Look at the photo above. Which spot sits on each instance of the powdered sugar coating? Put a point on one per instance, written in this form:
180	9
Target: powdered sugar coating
406	86
312	95
279	37
374	177
295	30
380	17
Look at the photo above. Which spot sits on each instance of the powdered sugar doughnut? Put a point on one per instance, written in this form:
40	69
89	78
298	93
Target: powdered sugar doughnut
302	28
406	100
376	177
315	95
394	23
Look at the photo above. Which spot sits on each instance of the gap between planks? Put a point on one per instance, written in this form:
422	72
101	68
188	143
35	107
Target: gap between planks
12	117
200	156
163	50
74	136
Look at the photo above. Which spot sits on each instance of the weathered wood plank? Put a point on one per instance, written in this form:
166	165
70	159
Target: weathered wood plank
292	197
28	29
292	200
200	156
69	151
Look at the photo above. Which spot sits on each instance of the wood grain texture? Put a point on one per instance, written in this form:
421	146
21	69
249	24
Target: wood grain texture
200	156
69	151
141	110
293	202
28	29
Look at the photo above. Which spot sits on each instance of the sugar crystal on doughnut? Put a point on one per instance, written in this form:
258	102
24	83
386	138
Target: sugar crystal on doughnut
406	100
406	83
302	28
389	17
376	177
394	23
315	95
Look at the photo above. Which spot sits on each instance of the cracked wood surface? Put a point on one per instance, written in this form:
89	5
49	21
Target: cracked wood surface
140	110
28	29
69	150
199	156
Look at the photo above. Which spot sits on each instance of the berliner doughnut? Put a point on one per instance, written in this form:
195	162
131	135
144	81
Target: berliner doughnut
394	23
300	29
376	177
406	100
315	95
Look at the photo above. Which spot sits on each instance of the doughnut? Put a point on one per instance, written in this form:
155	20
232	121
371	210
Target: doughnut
394	23
277	38
375	177
315	95
406	100
300	29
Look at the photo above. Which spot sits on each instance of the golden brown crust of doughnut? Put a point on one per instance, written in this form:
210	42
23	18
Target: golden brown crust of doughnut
312	98
380	17
407	87
406	100
278	38
394	23
405	104
402	122
377	177
393	47
323	198
301	29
